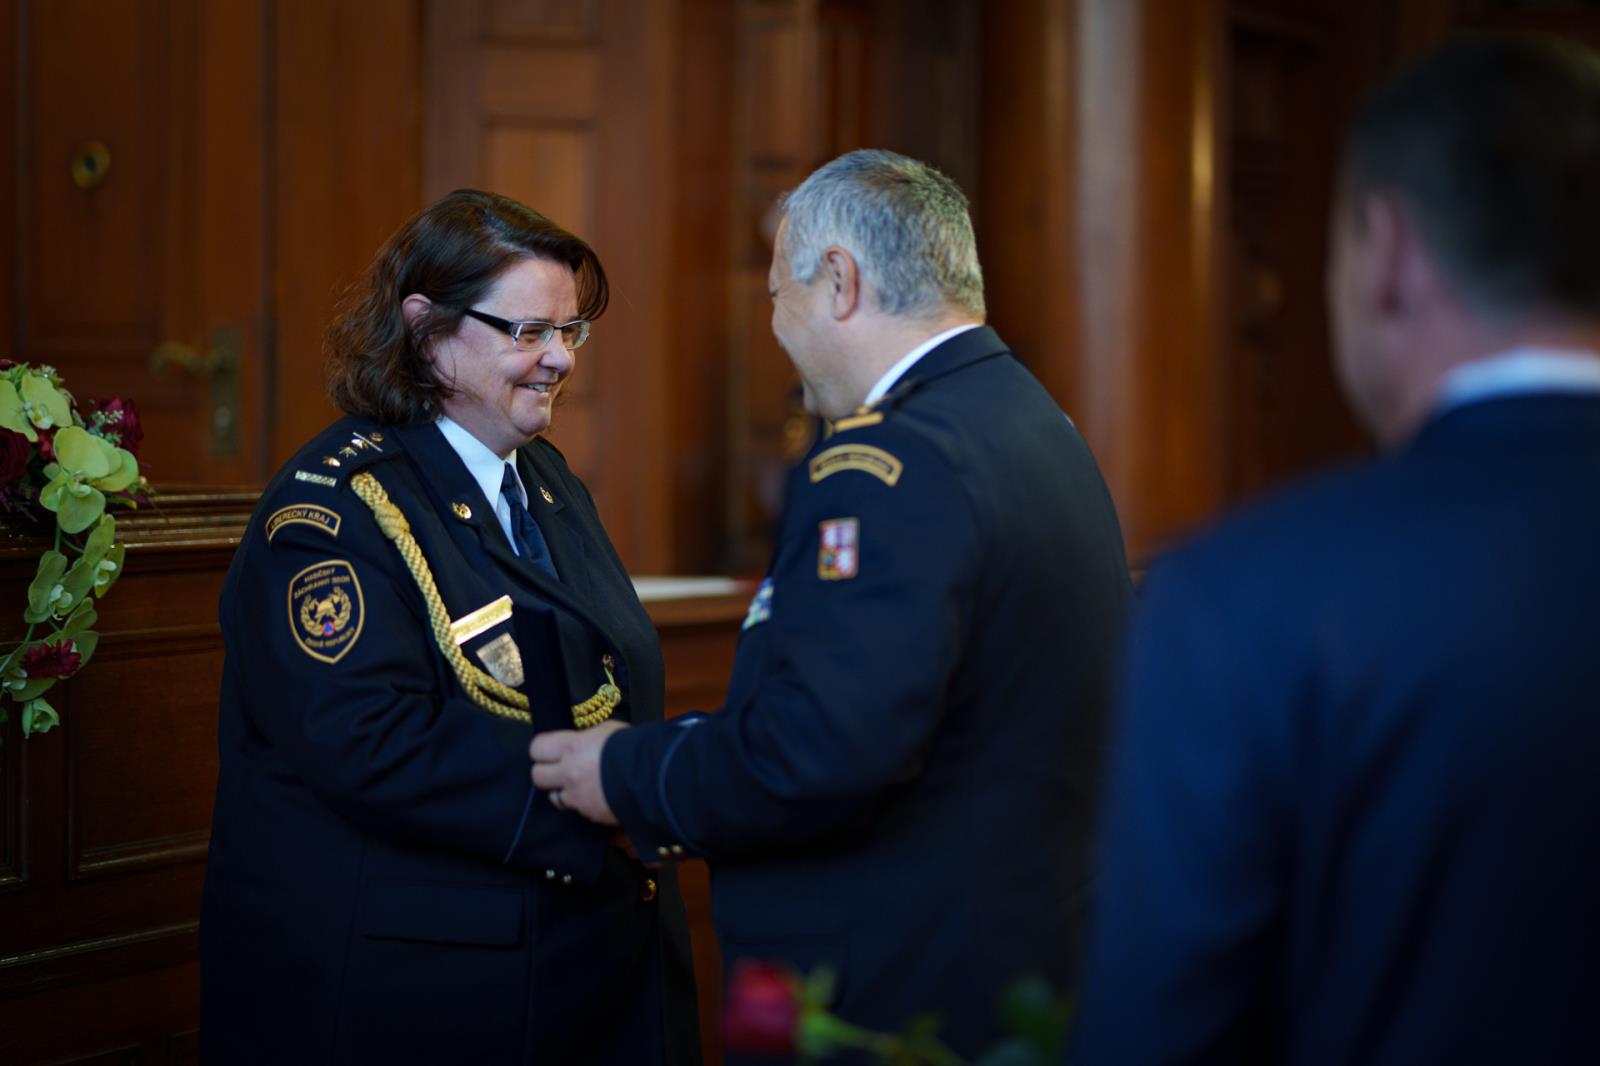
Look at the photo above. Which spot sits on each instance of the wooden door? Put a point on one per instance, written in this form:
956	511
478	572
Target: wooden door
135	214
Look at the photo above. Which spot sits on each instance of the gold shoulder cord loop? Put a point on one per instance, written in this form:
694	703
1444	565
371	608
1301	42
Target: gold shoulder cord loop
485	691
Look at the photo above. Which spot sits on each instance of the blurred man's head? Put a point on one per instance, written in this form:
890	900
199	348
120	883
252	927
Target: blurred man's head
873	248
1467	221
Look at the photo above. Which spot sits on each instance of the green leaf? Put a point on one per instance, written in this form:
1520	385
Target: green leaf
124	474
79	581
49	407
109	569
82	617
38	717
1014	1052
817	989
42	593
11	414
80	511
101	539
79	451
84	644
51	495
1031	1009
33	688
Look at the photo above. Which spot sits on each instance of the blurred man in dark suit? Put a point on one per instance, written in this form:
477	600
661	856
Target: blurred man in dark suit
1354	814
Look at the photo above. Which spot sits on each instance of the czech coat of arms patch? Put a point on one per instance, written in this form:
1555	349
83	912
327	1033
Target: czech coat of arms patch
839	556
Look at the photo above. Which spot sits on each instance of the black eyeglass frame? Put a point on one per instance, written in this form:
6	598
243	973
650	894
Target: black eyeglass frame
545	330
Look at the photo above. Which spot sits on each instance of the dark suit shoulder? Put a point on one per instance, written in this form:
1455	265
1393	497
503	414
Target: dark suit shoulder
312	491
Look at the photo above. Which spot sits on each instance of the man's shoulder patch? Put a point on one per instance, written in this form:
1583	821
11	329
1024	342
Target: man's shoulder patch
863	457
309	514
839	549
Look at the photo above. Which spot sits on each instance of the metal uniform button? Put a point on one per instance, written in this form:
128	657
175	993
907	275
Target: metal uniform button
549	875
663	851
677	849
648	892
566	879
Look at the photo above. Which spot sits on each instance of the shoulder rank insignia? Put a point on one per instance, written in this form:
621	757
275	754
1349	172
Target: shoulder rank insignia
308	514
760	606
839	556
315	479
863	457
326	610
860	420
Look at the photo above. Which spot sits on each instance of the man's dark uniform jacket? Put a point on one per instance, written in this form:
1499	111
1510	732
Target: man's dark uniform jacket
899	785
384	884
1355	811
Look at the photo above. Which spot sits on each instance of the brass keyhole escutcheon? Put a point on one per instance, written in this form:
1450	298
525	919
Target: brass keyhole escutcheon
91	161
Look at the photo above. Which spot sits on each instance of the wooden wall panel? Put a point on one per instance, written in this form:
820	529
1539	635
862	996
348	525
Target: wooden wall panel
1118	210
549	165
120	725
168	246
562	106
346	174
814	80
696	336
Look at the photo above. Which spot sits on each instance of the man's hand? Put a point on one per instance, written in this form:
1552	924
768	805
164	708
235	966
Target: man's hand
566	765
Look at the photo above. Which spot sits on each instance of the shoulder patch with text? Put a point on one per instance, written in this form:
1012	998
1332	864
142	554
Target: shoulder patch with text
306	514
863	457
839	554
326	610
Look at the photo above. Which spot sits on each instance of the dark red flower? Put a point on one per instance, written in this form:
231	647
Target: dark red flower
117	420
51	660
14	453
762	1010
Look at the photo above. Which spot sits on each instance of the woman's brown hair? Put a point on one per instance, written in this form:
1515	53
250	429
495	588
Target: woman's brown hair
452	253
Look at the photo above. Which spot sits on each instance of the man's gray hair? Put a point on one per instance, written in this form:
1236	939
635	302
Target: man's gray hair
905	223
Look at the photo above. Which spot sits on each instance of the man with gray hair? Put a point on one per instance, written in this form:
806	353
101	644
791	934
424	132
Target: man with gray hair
898	788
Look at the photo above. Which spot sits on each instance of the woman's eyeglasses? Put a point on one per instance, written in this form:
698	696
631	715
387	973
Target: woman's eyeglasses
532	336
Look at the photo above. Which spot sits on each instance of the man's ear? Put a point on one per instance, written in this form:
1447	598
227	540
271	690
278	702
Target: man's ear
1390	246
838	269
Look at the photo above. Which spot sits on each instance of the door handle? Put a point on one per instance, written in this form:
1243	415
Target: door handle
220	357
219	364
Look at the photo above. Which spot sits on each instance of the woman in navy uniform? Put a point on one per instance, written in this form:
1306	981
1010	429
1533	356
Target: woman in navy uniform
423	587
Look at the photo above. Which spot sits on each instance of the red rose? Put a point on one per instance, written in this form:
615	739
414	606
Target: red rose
762	1010
14	452
51	660
117	420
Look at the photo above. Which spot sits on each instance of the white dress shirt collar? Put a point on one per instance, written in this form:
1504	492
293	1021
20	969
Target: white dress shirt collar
1520	372
896	372
488	470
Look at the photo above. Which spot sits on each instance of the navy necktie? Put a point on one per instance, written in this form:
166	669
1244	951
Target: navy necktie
530	541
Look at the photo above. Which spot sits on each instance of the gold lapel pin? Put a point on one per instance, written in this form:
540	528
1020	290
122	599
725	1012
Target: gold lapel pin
328	460
462	510
546	494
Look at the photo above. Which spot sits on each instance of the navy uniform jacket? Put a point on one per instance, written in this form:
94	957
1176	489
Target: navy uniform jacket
384	883
1355	811
899	786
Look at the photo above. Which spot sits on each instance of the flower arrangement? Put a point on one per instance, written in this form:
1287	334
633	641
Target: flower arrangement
60	466
773	1013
